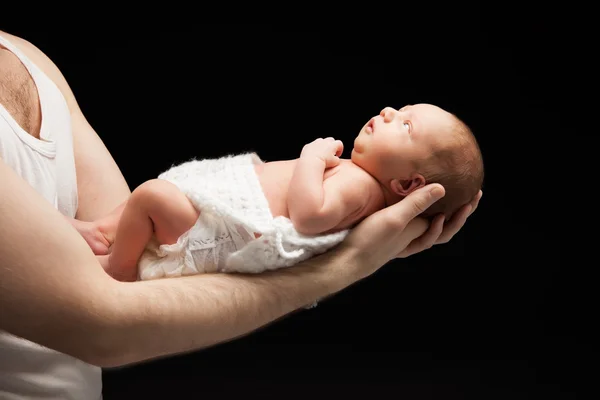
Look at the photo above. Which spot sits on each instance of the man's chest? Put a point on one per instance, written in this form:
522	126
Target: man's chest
18	93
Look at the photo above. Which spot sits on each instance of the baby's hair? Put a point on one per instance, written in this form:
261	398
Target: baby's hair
458	167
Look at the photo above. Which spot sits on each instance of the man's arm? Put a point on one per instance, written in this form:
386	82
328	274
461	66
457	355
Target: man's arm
53	292
101	185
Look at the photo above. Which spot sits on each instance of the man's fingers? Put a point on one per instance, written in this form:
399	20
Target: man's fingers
475	201
455	224
417	202
458	220
428	239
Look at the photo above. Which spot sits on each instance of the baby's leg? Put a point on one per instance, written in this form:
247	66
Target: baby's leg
156	207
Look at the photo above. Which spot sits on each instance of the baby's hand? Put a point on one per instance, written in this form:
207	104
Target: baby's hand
329	150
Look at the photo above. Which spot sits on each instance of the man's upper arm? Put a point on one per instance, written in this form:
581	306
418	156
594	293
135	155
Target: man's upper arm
52	289
101	185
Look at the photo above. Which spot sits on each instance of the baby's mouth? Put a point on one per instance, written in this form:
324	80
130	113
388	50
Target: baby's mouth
370	126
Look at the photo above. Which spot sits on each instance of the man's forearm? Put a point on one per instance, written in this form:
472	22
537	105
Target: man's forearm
177	315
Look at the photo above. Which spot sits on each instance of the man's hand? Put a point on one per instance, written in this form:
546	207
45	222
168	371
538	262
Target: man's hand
328	150
381	236
441	231
398	231
92	234
94	237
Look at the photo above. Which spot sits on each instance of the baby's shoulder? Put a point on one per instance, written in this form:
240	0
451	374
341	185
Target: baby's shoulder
353	171
365	184
362	192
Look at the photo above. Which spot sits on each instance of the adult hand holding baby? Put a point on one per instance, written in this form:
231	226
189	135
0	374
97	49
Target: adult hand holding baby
397	231
441	231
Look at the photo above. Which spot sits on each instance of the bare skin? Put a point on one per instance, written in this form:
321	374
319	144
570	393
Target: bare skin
156	207
321	192
318	192
109	323
18	93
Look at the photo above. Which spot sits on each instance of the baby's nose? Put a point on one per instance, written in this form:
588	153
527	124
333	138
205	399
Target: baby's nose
388	114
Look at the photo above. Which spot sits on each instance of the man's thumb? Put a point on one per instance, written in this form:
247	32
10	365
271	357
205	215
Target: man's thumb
423	198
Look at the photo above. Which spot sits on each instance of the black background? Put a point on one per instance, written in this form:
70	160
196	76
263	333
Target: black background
495	314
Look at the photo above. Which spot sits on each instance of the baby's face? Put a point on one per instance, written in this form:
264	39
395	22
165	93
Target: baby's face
394	139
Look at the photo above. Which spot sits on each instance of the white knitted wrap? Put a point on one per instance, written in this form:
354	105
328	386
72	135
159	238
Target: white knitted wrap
229	188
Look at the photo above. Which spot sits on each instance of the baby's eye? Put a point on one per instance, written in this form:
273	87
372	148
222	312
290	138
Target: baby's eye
407	125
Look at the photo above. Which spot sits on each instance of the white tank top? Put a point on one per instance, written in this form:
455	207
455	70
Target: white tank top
27	370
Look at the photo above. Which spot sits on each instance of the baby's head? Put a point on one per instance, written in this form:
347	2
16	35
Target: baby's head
420	144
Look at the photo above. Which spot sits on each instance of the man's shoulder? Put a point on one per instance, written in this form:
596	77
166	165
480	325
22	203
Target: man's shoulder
28	48
44	63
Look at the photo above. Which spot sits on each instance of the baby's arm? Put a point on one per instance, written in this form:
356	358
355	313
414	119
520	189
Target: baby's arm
317	206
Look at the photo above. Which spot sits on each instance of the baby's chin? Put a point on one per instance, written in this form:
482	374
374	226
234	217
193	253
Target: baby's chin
358	146
355	156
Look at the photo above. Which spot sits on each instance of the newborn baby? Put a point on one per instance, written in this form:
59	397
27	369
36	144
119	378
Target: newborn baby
241	214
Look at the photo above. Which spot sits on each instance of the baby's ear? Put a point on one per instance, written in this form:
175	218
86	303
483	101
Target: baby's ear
403	187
